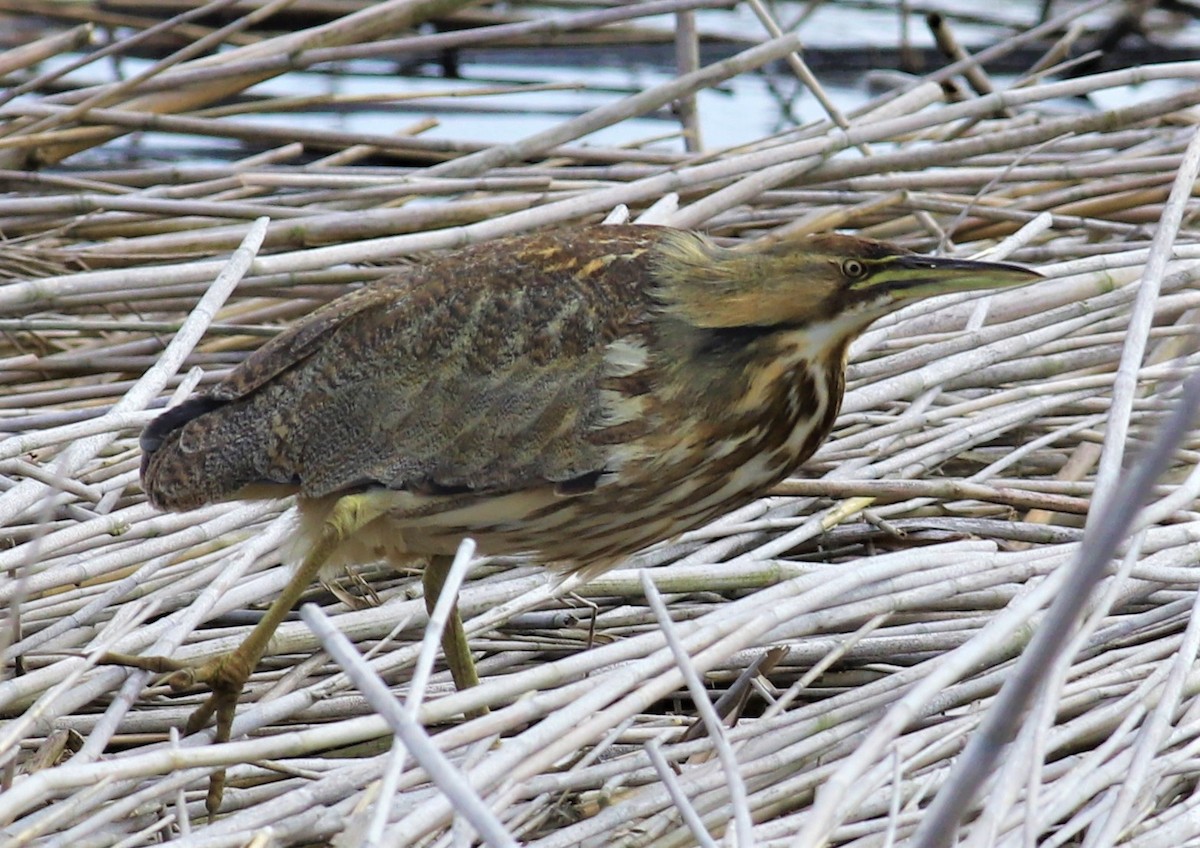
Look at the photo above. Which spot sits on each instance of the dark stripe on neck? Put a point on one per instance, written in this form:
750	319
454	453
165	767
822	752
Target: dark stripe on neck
726	341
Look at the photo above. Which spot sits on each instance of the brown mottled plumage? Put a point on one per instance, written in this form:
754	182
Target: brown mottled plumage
575	395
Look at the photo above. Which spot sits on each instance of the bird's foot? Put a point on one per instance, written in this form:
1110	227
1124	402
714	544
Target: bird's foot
225	676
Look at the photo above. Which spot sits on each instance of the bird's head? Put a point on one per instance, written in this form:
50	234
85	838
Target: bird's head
822	279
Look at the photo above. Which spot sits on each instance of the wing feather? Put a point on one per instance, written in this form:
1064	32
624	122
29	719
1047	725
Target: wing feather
484	370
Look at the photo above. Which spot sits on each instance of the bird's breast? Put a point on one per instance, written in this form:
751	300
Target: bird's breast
699	462
755	434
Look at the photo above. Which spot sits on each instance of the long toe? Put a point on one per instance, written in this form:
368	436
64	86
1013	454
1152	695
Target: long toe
155	664
225	675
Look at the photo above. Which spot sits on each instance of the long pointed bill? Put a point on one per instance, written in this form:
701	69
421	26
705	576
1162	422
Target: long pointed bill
912	277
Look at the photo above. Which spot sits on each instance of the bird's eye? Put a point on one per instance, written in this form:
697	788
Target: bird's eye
853	269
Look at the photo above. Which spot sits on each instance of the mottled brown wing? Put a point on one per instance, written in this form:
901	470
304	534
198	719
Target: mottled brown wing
284	351
295	344
483	370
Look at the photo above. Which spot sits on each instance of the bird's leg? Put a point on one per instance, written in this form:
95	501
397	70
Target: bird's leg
454	637
225	675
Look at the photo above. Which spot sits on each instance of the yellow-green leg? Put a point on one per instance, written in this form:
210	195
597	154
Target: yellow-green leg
454	637
227	674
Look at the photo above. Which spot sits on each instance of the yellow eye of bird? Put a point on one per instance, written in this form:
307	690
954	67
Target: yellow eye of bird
853	269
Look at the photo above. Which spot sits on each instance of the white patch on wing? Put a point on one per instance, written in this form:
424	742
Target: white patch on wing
620	408
625	357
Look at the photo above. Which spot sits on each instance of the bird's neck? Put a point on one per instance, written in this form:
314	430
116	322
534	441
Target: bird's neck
779	388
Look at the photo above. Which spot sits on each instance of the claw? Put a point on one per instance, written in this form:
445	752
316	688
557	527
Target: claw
216	791
224	675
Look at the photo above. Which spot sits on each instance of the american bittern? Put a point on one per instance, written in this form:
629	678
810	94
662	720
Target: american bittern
575	395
